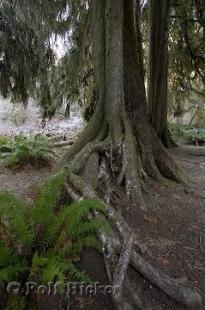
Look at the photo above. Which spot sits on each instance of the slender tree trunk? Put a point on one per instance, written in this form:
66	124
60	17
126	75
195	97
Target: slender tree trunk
158	68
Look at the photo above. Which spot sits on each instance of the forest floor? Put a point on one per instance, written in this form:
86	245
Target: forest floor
173	230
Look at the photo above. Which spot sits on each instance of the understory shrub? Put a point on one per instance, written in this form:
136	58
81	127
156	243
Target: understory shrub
42	242
195	136
3	140
187	133
20	150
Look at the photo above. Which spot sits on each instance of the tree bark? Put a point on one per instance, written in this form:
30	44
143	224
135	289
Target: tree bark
114	69
158	68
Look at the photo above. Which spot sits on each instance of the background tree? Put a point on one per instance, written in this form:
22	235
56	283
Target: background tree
27	57
158	68
186	54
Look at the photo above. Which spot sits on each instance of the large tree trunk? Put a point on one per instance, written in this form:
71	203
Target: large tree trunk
120	142
120	126
155	160
158	68
121	110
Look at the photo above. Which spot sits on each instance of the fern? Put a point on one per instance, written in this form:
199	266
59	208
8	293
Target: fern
14	219
187	133
11	265
41	242
3	143
78	210
89	241
77	275
38	263
44	205
85	227
195	136
16	303
19	150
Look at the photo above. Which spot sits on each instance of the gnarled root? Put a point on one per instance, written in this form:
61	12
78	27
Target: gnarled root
121	271
122	255
165	163
133	168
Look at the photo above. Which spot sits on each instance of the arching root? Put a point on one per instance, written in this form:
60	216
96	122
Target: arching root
87	160
120	272
166	163
122	249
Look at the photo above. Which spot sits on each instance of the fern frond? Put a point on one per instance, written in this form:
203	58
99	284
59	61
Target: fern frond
55	268
38	262
80	210
11	265
60	269
79	245
5	255
13	214
43	207
16	302
77	275
88	227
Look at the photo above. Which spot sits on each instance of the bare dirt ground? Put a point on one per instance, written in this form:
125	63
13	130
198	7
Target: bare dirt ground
173	230
25	183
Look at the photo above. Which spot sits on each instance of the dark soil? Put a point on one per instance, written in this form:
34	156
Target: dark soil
31	163
173	231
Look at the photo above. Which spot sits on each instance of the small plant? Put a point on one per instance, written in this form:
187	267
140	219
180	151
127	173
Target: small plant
42	242
195	136
177	131
187	133
3	140
21	150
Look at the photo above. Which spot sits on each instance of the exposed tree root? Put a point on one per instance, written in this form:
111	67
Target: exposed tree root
166	163
133	168
121	271
124	254
77	164
91	170
172	287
